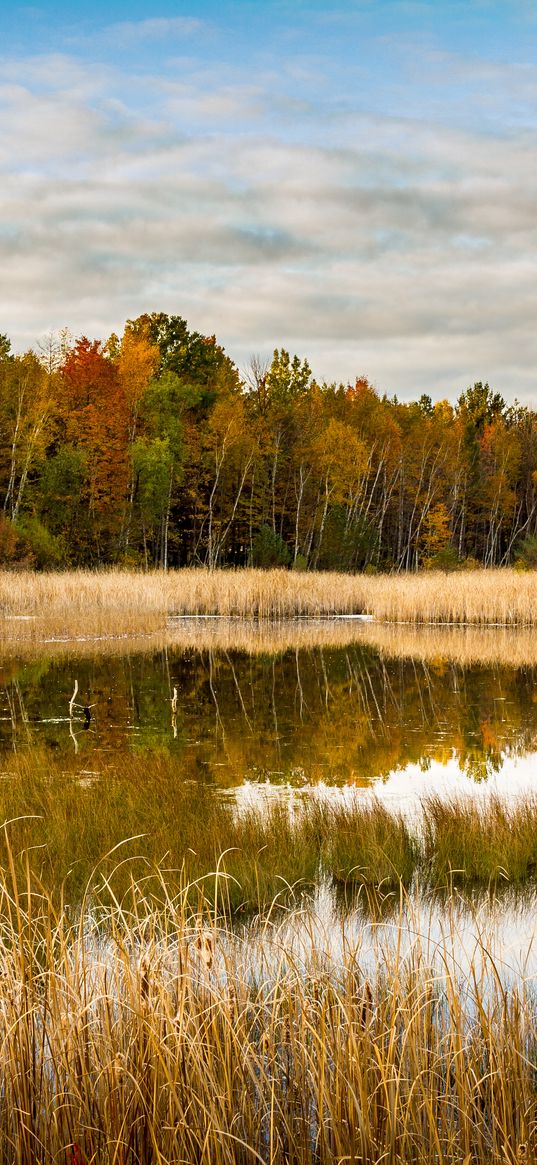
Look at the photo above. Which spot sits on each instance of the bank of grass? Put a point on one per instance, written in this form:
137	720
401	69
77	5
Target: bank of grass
68	819
369	845
111	603
145	1035
277	850
480	841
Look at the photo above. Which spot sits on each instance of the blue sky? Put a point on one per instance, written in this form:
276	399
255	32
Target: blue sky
354	181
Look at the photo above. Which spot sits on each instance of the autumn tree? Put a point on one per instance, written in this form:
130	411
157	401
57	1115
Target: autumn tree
158	457
148	448
230	452
193	357
95	423
26	404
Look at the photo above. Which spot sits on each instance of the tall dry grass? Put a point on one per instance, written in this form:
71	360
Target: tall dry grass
145	1036
83	603
504	597
118	601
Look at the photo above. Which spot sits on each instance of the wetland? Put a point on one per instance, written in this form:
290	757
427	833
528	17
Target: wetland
268	891
278	750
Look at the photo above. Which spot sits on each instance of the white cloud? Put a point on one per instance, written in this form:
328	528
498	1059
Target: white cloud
156	28
376	244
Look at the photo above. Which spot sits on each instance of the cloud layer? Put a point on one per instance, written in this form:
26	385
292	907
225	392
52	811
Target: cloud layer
273	209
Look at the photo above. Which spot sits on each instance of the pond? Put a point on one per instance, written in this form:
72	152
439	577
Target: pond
156	731
338	715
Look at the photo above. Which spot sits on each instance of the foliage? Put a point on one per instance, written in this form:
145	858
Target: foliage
526	552
47	550
269	549
149	448
445	558
14	550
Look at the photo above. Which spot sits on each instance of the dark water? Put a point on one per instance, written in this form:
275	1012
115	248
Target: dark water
334	715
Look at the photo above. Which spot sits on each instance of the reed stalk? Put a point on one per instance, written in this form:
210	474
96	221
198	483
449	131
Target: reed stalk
152	1035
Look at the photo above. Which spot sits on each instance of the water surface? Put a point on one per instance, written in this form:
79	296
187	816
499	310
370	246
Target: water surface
341	716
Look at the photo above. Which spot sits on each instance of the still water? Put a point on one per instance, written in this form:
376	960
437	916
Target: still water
340	716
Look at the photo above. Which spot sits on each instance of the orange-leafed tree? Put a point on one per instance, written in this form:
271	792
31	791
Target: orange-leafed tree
95	416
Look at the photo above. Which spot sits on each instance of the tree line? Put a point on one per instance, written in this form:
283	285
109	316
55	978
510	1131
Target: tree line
151	449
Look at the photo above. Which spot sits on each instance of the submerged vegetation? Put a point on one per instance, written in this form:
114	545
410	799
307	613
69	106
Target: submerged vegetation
156	1034
272	848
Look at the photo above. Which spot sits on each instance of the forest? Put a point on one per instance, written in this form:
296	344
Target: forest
152	449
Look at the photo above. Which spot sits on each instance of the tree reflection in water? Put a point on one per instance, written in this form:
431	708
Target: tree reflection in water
349	714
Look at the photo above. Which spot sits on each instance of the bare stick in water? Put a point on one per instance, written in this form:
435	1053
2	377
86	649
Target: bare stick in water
72	704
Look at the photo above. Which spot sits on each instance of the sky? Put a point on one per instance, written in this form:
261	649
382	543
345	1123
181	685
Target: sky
355	181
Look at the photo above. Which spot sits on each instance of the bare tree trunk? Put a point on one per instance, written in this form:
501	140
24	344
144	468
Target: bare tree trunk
299	496
167	522
219	542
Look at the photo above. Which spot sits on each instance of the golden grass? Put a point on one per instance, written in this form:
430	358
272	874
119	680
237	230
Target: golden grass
272	848
118	601
504	597
137	1037
84	603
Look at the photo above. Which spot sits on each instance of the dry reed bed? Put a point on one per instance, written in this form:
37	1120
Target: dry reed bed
88	599
504	597
164	1037
114	602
